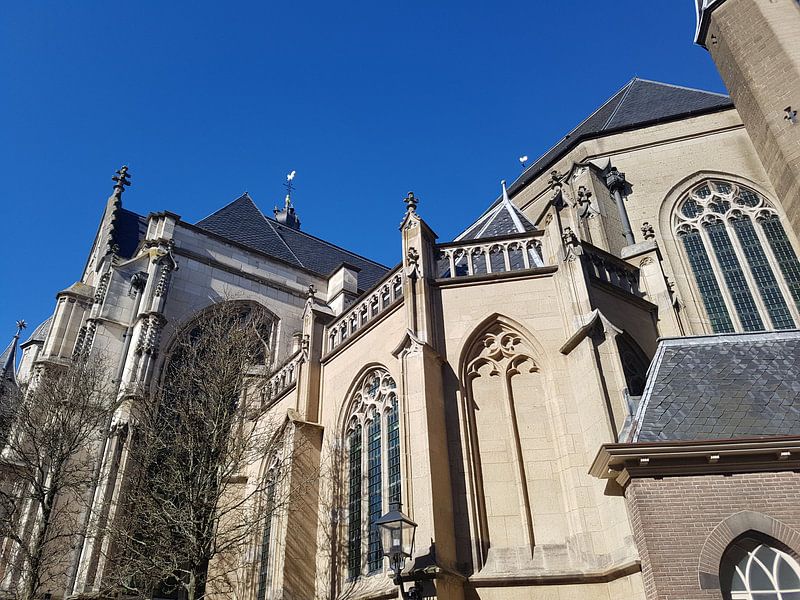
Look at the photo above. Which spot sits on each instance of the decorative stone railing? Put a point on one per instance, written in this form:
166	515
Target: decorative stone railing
605	267
387	293
490	255
283	378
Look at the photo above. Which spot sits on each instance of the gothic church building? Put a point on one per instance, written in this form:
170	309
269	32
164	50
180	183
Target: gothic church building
593	392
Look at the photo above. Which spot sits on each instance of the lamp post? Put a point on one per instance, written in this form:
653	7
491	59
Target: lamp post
397	543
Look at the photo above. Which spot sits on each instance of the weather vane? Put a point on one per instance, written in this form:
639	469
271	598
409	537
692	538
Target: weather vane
289	185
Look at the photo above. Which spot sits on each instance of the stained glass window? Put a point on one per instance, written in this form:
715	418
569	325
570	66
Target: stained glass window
374	557
373	468
707	283
742	260
354	505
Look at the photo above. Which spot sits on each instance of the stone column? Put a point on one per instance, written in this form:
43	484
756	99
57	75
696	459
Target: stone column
427	491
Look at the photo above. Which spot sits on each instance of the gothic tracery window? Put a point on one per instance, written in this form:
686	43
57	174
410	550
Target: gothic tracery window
754	569
372	453
745	267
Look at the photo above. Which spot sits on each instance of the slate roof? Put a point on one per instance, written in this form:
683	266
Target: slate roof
242	222
722	387
8	360
39	334
129	229
640	103
505	218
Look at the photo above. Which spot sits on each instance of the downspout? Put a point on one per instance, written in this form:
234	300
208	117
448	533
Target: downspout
617	184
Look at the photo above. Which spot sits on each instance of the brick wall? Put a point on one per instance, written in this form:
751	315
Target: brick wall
674	517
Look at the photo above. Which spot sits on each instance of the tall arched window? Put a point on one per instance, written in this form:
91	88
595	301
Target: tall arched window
742	260
753	568
373	468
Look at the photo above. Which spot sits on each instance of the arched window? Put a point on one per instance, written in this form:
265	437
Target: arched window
743	262
754	568
266	555
373	468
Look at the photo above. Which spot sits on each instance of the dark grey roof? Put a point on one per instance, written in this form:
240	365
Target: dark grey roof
497	222
242	222
8	362
129	229
40	333
640	103
722	387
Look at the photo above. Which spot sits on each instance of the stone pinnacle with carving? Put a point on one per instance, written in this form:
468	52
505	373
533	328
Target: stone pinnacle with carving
121	180
411	202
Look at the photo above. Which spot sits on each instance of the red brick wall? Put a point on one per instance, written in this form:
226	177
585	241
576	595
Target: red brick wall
678	524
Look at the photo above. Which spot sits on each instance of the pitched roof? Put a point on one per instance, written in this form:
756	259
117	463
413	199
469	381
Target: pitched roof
722	387
505	218
129	229
640	103
39	334
8	362
242	222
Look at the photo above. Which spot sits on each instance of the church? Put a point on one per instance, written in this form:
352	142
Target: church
592	392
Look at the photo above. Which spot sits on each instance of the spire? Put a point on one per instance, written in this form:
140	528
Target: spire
121	181
288	216
10	356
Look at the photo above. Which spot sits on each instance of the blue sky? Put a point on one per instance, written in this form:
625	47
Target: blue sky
366	100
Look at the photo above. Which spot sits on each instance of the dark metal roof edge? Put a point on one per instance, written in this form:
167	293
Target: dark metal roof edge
519	183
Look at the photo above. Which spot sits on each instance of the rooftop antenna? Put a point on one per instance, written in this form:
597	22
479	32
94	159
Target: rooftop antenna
523	160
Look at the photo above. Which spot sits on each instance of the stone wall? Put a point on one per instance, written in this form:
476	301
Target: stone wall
756	47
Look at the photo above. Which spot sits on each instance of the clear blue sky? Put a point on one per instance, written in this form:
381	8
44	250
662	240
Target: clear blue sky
366	100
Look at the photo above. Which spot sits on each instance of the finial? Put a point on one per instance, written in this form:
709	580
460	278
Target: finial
312	292
411	202
121	180
505	191
21	324
287	216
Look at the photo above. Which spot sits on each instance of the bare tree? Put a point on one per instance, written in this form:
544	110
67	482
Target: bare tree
197	497
47	469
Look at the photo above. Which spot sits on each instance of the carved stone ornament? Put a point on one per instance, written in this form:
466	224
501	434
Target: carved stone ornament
504	351
647	231
413	266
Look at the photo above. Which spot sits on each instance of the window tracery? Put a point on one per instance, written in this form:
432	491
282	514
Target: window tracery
754	569
373	468
744	265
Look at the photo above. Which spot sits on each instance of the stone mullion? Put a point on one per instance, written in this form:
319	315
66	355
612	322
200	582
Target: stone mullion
716	269
776	269
748	276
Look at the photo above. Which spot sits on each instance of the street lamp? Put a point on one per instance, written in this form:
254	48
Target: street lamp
397	542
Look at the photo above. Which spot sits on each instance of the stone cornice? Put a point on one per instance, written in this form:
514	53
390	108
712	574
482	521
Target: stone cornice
623	462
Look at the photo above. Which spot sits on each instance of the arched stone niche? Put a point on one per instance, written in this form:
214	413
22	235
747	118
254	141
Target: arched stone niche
512	455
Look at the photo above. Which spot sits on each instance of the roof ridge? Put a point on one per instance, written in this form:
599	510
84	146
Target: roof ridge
280	237
219	210
683	87
627	89
571	131
273	222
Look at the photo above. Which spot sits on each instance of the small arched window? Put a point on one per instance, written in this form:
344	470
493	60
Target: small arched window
753	568
743	262
373	468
